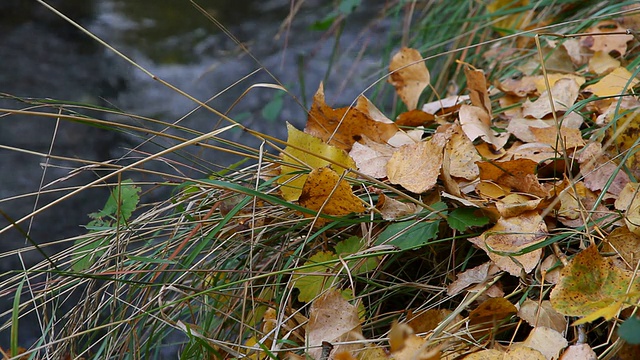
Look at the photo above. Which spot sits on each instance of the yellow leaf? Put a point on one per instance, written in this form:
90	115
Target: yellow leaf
324	191
616	83
416	166
409	75
510	235
303	150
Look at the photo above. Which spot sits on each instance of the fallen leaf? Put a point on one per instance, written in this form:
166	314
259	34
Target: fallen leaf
416	167
597	170
515	353
477	123
477	275
428	320
510	236
518	85
572	138
409	75
446	105
543	315
516	174
404	344
537	152
541	82
618	82
592	283
513	21
626	244
516	204
578	201
602	63
392	209
547	341
564	93
415	118
549	270
477	85
484	320
304	149
579	352
344	126
623	128
629	203
311	281
371	158
607	36
333	319
324	191
576	52
462	156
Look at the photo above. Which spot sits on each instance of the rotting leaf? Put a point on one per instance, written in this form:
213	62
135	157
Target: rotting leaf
477	275
333	319
324	191
409	75
608	36
303	150
344	126
511	235
591	284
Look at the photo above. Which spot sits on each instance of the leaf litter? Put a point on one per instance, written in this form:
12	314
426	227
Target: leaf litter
491	158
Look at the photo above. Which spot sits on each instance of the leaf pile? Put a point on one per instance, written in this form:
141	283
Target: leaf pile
534	169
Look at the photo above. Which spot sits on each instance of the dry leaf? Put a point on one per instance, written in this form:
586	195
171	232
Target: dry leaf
549	135
626	244
516	174
597	170
544	315
304	149
371	158
392	209
416	167
537	152
576	52
547	341
415	118
629	203
477	123
516	204
541	82
550	275
577	199
430	319
344	126
618	82
477	84
332	319
514	353
564	93
446	105
510	236
476	275
409	75
518	85
605	41
462	156
404	344
602	63
579	352
320	185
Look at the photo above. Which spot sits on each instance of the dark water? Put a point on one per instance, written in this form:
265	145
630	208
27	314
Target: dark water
42	56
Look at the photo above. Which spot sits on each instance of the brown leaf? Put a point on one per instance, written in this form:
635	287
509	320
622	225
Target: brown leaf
477	123
516	204
577	199
416	167
515	353
510	236
446	105
548	341
549	135
515	174
344	126
462	156
476	275
607	42
391	209
542	315
428	320
415	118
409	75
491	311
477	84
629	203
597	170
333	319
320	185
626	244
564	93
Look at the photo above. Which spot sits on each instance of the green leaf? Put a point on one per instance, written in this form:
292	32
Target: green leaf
629	331
309	285
351	246
272	110
411	234
121	203
463	218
